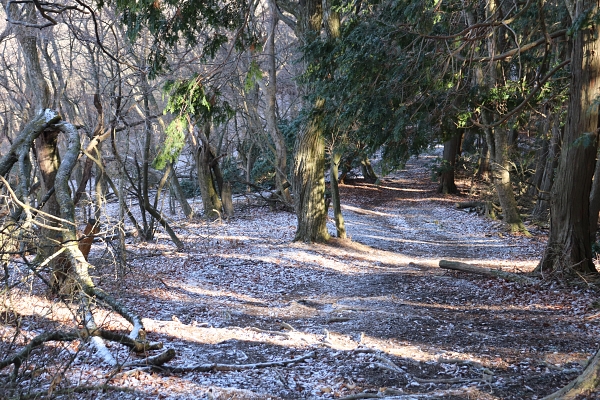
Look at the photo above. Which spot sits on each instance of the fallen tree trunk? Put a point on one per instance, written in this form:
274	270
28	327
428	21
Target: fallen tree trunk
469	204
497	273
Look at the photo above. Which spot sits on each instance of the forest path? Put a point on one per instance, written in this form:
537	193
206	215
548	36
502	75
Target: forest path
243	292
406	215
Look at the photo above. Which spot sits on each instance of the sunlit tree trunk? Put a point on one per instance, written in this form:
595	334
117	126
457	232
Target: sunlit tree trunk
569	247
340	226
367	170
309	157
502	182
309	180
498	137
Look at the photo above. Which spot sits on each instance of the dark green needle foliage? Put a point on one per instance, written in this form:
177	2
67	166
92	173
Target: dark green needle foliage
191	103
205	22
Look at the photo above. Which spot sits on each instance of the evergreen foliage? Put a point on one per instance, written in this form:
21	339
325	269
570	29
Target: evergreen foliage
168	21
402	75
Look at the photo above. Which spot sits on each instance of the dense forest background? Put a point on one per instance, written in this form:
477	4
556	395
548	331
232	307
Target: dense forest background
149	103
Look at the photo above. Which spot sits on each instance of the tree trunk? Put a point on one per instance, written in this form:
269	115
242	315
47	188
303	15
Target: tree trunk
210	198
309	154
483	167
569	247
143	183
503	184
542	204
227	198
543	143
281	180
309	180
46	149
595	202
367	170
501	178
340	226
180	196
584	385
451	148
100	187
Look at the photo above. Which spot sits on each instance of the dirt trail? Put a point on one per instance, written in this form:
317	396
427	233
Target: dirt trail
404	214
376	315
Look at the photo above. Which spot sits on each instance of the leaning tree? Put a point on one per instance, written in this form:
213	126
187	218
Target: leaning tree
56	145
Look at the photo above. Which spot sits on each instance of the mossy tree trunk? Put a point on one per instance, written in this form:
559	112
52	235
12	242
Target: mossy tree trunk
498	137
367	170
309	180
309	154
46	149
179	194
501	178
204	160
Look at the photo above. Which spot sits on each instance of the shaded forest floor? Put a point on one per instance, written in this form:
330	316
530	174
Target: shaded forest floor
375	315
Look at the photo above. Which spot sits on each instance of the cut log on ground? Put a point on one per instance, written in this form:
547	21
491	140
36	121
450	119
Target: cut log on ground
486	208
497	273
469	204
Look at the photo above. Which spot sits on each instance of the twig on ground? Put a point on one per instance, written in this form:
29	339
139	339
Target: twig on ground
252	328
77	389
234	367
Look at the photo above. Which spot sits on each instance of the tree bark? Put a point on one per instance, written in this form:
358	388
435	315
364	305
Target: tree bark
584	385
227	198
309	180
210	198
367	170
595	202
281	180
46	149
542	204
502	182
569	247
483	167
179	195
451	148
309	154
340	226
541	154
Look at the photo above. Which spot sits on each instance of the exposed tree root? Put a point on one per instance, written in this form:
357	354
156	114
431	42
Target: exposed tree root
585	384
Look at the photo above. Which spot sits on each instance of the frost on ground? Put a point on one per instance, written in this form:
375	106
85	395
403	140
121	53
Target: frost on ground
371	317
